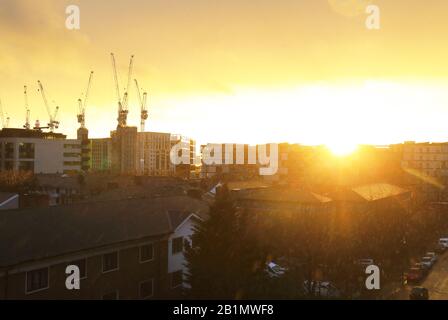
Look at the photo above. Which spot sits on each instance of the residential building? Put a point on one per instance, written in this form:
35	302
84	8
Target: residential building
181	236
101	154
38	152
124	150
154	153
120	247
86	148
430	159
282	199
426	165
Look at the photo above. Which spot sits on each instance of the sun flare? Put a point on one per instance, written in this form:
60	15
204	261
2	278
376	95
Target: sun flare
341	149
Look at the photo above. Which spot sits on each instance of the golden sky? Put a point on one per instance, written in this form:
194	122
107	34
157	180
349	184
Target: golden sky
303	71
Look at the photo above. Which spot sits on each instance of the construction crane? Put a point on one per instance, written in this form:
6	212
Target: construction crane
5	121
122	101
82	104
143	110
52	124
27	125
130	69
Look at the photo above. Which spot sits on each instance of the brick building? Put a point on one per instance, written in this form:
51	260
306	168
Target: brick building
121	249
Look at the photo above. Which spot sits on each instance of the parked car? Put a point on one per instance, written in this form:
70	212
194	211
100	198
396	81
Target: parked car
322	289
424	267
415	274
427	262
274	270
419	293
443	242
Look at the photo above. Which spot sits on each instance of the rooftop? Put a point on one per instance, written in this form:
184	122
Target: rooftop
24	133
368	192
278	194
36	233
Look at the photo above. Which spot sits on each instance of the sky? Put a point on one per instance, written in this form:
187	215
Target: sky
302	71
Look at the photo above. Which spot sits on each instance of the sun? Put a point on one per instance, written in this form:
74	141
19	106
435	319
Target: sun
342	148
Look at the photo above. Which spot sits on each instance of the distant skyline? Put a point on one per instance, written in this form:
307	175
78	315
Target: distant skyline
236	71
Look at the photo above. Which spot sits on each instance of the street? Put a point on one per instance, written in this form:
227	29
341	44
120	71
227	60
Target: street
436	282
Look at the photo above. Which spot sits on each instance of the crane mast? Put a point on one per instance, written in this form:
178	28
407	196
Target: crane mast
130	69
5	122
143	111
27	125
122	101
83	104
52	124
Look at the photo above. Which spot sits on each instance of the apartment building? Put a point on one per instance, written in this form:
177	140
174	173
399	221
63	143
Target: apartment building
154	153
426	165
124	150
124	249
101	154
82	134
39	152
429	158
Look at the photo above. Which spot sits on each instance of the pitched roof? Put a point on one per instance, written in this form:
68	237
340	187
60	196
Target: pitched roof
29	234
368	192
278	194
376	191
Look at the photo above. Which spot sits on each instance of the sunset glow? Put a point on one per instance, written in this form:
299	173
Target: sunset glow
220	73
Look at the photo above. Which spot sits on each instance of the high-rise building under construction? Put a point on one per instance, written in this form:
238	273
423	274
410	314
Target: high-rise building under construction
124	150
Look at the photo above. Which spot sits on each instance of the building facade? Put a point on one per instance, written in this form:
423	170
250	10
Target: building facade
131	270
86	148
123	249
429	158
426	165
39	152
154	154
124	150
101	154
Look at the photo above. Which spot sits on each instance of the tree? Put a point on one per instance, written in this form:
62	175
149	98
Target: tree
224	261
17	181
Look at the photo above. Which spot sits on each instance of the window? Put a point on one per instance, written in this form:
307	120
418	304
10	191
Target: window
146	289
177	245
26	150
176	279
36	280
111	295
146	253
82	265
9	150
72	163
72	155
72	146
110	261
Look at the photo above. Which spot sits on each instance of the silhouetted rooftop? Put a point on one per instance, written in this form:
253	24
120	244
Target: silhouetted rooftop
36	233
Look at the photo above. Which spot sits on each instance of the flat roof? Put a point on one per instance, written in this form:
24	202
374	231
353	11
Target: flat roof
29	133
